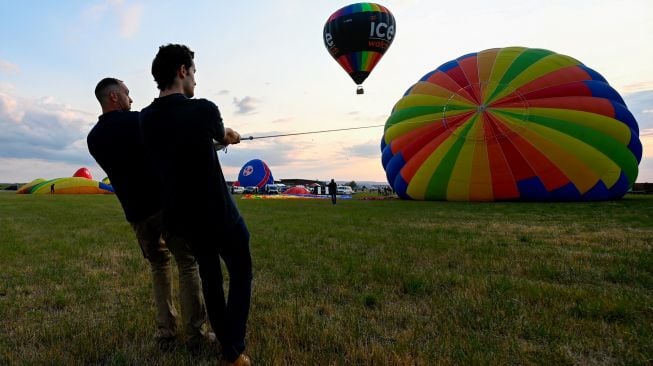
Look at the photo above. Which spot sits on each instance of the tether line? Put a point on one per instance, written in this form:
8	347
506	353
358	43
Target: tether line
426	119
306	133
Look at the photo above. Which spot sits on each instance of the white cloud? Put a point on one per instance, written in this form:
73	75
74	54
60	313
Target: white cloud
43	129
283	120
640	105
247	105
128	16
638	87
95	12
25	170
370	149
130	19
9	109
9	68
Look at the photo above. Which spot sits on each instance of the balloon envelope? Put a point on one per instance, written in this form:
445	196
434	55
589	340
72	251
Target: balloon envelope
68	185
83	173
255	173
297	190
357	36
511	124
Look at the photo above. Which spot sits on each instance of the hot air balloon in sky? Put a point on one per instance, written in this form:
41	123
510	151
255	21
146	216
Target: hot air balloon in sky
511	124
357	36
255	173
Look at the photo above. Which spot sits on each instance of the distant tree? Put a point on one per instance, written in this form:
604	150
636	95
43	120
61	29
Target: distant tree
353	185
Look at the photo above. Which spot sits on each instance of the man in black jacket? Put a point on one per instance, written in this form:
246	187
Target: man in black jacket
179	135
115	143
333	190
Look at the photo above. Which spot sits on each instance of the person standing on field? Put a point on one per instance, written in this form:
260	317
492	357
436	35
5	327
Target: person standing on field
115	143
179	135
333	190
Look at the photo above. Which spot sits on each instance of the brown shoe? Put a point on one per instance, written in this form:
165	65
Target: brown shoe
242	360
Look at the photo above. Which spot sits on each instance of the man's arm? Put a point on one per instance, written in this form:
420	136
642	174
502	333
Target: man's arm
230	137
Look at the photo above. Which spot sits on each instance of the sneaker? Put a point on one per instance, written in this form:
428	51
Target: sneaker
242	360
198	344
166	343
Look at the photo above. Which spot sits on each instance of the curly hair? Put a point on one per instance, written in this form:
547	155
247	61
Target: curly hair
167	61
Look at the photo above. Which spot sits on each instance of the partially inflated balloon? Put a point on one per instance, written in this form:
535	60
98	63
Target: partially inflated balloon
511	124
357	36
255	173
68	185
83	173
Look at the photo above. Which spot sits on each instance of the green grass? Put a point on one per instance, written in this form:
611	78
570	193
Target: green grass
363	282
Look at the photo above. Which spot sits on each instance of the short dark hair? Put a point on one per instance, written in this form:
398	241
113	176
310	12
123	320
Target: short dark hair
167	61
103	87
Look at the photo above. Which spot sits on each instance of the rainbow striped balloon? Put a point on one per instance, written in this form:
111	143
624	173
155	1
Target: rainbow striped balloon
357	36
511	124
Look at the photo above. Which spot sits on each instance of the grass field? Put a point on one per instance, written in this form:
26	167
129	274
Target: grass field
361	283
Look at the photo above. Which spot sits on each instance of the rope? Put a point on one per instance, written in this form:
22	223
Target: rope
307	133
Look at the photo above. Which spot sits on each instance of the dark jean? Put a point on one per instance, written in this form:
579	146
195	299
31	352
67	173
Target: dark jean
228	317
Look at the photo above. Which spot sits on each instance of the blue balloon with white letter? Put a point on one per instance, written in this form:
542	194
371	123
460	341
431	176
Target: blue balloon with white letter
255	173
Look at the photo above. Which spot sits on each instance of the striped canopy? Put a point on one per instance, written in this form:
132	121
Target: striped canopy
511	124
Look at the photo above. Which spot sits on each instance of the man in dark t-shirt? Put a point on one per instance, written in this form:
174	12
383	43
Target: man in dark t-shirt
333	190
115	143
198	211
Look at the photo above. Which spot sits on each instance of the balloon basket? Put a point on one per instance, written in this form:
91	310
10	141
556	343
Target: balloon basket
359	90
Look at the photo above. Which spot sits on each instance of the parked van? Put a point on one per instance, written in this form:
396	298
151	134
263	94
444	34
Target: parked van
345	190
271	189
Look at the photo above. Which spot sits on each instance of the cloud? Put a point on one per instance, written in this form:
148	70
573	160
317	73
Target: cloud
367	119
282	120
43	129
24	170
246	105
8	68
130	20
95	12
128	16
370	149
638	87
640	105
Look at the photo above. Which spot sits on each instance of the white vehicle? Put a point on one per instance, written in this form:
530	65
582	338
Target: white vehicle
271	189
237	190
345	190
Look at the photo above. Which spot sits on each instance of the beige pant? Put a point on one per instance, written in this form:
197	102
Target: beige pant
193	309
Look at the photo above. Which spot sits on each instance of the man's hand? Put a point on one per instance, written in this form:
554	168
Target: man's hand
230	137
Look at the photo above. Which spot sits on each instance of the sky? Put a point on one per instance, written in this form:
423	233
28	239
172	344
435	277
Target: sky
266	67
